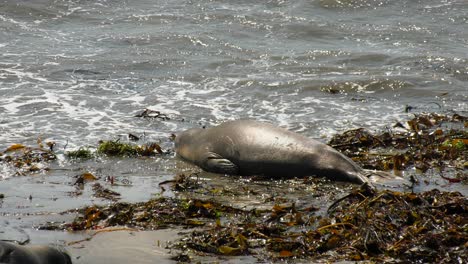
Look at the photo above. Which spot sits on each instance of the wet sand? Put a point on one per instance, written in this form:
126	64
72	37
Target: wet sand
125	247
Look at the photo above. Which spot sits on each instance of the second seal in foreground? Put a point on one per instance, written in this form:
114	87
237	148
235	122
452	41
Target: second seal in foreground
248	147
16	254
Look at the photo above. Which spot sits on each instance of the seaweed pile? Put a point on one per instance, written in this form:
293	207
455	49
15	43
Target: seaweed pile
154	214
427	227
384	226
429	141
115	148
25	159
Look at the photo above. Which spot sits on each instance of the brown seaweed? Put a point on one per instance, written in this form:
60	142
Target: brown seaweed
26	159
423	143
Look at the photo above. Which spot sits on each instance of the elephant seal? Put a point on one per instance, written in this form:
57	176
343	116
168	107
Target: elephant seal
248	147
16	254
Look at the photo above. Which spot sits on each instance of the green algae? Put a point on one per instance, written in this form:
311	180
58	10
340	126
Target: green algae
120	149
82	153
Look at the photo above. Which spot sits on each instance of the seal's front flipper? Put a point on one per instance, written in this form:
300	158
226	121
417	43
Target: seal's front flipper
217	164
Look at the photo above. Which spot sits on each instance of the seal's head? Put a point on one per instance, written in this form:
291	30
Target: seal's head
185	142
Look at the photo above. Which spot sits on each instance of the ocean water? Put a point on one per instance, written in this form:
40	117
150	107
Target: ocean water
78	71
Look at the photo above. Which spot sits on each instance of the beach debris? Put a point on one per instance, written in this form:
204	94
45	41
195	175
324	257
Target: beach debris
423	143
84	177
148	113
383	226
110	179
119	149
26	160
101	192
183	182
154	214
82	153
115	148
133	137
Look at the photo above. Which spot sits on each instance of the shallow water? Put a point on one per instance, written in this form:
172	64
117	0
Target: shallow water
76	72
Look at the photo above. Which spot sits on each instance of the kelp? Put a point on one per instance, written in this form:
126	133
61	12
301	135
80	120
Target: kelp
26	159
427	227
385	226
154	214
99	190
378	226
423	143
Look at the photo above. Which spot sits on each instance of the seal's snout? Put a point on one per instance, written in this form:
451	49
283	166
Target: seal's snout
184	140
176	139
187	136
179	140
178	144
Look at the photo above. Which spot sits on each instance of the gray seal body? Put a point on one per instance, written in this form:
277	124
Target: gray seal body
16	254
248	147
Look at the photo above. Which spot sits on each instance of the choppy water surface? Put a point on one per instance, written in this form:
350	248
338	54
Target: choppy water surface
78	71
